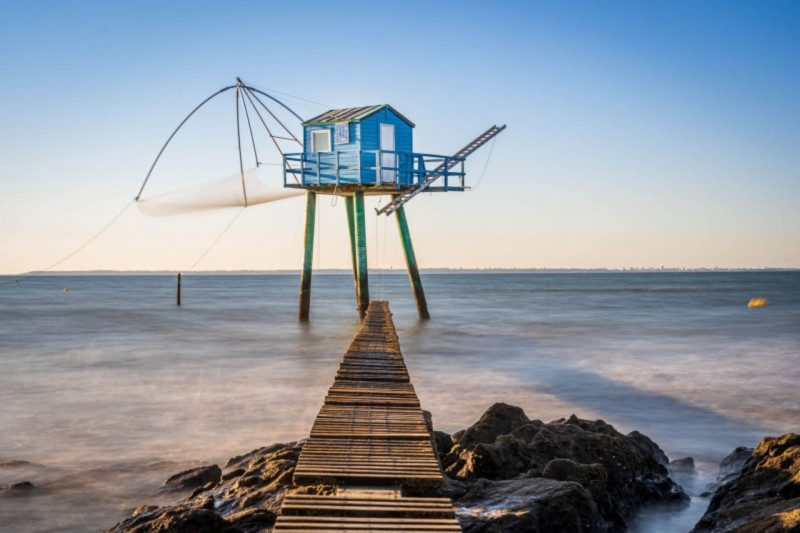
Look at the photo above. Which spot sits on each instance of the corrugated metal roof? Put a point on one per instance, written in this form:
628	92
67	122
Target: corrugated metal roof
352	114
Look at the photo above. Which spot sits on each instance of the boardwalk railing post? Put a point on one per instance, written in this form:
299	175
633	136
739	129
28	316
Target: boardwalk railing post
361	255
411	263
351	227
305	277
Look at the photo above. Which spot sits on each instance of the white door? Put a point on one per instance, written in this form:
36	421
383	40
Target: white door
388	160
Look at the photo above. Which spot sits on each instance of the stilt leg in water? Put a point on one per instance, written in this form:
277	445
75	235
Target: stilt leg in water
349	205
305	277
361	255
178	294
411	263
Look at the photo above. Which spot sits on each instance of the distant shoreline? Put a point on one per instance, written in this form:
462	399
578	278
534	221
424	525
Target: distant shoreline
398	271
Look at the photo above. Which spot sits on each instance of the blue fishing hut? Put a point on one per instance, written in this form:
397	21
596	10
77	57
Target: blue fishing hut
362	151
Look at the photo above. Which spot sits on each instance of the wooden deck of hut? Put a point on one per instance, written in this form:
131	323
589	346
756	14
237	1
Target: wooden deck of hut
371	441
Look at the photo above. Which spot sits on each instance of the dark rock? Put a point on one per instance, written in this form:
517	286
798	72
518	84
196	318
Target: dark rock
14	463
194	478
764	497
620	473
529	505
233	473
683	467
499	419
732	465
21	487
645	443
248	500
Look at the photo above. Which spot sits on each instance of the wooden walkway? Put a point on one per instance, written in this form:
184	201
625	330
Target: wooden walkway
371	441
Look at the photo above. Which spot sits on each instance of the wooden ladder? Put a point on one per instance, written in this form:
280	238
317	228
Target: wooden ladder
439	171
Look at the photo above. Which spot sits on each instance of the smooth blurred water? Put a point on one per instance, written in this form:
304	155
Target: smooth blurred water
109	388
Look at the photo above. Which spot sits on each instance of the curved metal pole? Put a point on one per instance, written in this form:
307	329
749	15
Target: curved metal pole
176	131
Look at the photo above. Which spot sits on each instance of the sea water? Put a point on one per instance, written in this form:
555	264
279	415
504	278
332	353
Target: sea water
107	388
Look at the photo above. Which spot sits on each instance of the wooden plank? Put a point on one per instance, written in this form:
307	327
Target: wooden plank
370	439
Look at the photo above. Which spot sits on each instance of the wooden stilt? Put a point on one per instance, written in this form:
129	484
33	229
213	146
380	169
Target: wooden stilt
361	255
351	227
411	263
178	294
305	277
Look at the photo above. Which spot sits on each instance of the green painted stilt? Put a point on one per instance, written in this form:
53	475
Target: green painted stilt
351	226
411	262
361	255
305	277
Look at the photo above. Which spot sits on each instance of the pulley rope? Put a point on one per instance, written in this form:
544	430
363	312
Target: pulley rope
214	243
485	166
76	250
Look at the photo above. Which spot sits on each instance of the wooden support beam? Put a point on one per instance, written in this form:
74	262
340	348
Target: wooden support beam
349	206
361	254
304	307
411	263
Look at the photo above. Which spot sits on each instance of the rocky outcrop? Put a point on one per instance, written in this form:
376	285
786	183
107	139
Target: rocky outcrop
245	499
506	473
515	474
764	497
194	478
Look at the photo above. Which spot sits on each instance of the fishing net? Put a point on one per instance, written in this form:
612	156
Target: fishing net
217	194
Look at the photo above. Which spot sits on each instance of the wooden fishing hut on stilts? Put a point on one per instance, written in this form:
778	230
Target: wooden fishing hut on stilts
368	151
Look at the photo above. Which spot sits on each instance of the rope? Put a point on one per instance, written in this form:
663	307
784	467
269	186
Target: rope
383	260
485	166
250	127
76	250
224	231
239	144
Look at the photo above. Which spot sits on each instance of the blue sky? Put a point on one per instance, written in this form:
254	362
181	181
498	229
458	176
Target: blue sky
639	134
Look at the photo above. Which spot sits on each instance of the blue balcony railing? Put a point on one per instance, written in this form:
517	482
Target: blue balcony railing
372	168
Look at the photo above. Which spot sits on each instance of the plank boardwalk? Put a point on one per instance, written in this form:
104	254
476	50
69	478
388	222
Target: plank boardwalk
371	441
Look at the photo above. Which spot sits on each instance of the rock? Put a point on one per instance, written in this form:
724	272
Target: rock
683	467
529	505
620	473
14	463
142	509
764	497
732	465
194	478
644	442
247	500
21	487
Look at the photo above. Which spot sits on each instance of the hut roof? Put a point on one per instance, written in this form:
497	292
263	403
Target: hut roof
352	114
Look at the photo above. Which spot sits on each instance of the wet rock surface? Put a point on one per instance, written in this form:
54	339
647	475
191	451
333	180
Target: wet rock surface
194	478
510	473
245	499
764	496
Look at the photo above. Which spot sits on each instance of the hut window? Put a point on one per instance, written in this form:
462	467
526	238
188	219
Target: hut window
321	141
342	133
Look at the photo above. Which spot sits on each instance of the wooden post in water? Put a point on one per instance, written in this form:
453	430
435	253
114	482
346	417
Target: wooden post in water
178	293
304	307
361	255
411	263
351	228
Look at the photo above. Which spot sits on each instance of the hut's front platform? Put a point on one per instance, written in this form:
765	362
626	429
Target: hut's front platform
371	441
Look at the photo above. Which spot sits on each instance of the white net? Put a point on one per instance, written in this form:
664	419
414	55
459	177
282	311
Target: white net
217	194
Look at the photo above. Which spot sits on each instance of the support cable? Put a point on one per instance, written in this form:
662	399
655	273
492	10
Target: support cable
76	250
250	127
213	244
292	135
173	135
485	166
269	132
239	143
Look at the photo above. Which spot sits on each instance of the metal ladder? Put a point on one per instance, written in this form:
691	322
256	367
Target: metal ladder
437	173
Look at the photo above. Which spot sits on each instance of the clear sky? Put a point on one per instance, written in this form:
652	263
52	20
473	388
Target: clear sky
640	134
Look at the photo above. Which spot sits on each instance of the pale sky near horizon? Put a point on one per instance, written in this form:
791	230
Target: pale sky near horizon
640	134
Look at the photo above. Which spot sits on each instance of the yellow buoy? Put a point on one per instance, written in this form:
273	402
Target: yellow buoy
66	289
757	302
